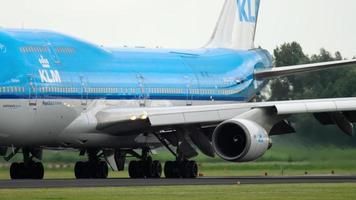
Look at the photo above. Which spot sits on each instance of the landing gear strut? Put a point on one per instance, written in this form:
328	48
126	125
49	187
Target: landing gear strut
146	167
94	168
28	169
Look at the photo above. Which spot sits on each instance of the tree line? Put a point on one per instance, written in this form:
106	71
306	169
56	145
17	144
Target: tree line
332	83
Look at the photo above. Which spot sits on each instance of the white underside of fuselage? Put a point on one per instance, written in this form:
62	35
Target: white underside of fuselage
48	123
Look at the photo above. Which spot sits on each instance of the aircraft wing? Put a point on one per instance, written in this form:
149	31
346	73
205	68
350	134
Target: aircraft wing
299	69
338	111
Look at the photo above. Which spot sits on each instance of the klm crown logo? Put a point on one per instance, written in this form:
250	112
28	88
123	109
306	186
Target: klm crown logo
44	62
248	10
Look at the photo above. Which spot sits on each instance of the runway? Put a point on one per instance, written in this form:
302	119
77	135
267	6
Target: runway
71	183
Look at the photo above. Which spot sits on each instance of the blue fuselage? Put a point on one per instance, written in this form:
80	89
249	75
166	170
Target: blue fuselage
46	65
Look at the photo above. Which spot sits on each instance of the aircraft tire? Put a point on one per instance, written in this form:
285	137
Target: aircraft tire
136	169
33	170
156	169
172	169
79	170
14	171
38	170
86	170
102	170
189	169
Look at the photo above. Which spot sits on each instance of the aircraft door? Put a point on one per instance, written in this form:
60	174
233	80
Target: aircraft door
189	90
191	81
83	91
32	90
143	95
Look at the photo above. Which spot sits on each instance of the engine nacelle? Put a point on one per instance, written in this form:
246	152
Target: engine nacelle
240	140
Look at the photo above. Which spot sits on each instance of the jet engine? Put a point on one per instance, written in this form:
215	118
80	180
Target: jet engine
240	140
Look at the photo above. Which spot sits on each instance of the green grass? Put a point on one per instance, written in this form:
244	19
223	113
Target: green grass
241	192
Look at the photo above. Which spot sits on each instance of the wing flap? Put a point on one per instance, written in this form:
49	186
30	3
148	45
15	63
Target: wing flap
315	106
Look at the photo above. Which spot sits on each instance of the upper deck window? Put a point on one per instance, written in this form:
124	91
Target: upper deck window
65	50
34	49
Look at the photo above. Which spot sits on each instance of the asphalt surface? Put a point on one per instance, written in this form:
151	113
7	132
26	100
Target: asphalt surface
70	183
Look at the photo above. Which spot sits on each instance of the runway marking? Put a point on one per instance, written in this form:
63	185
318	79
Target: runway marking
71	183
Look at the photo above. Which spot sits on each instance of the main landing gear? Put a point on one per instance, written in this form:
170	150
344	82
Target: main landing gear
181	169
94	168
146	167
29	169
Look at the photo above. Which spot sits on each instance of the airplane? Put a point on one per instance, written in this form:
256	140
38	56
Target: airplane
58	92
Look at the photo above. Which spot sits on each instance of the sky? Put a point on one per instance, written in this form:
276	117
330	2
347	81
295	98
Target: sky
186	23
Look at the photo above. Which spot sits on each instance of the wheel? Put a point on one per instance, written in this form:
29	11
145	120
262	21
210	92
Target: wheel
88	171
168	169
79	170
156	169
102	170
189	169
141	169
14	171
194	169
172	169
137	169
176	169
132	169
147	166
38	170
22	172
30	171
184	169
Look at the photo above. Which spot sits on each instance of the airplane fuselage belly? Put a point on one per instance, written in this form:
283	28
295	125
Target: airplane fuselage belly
43	122
35	123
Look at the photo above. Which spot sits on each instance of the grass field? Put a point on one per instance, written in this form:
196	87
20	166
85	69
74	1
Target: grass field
278	161
240	192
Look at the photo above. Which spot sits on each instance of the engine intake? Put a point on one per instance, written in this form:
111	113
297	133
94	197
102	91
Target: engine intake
240	140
